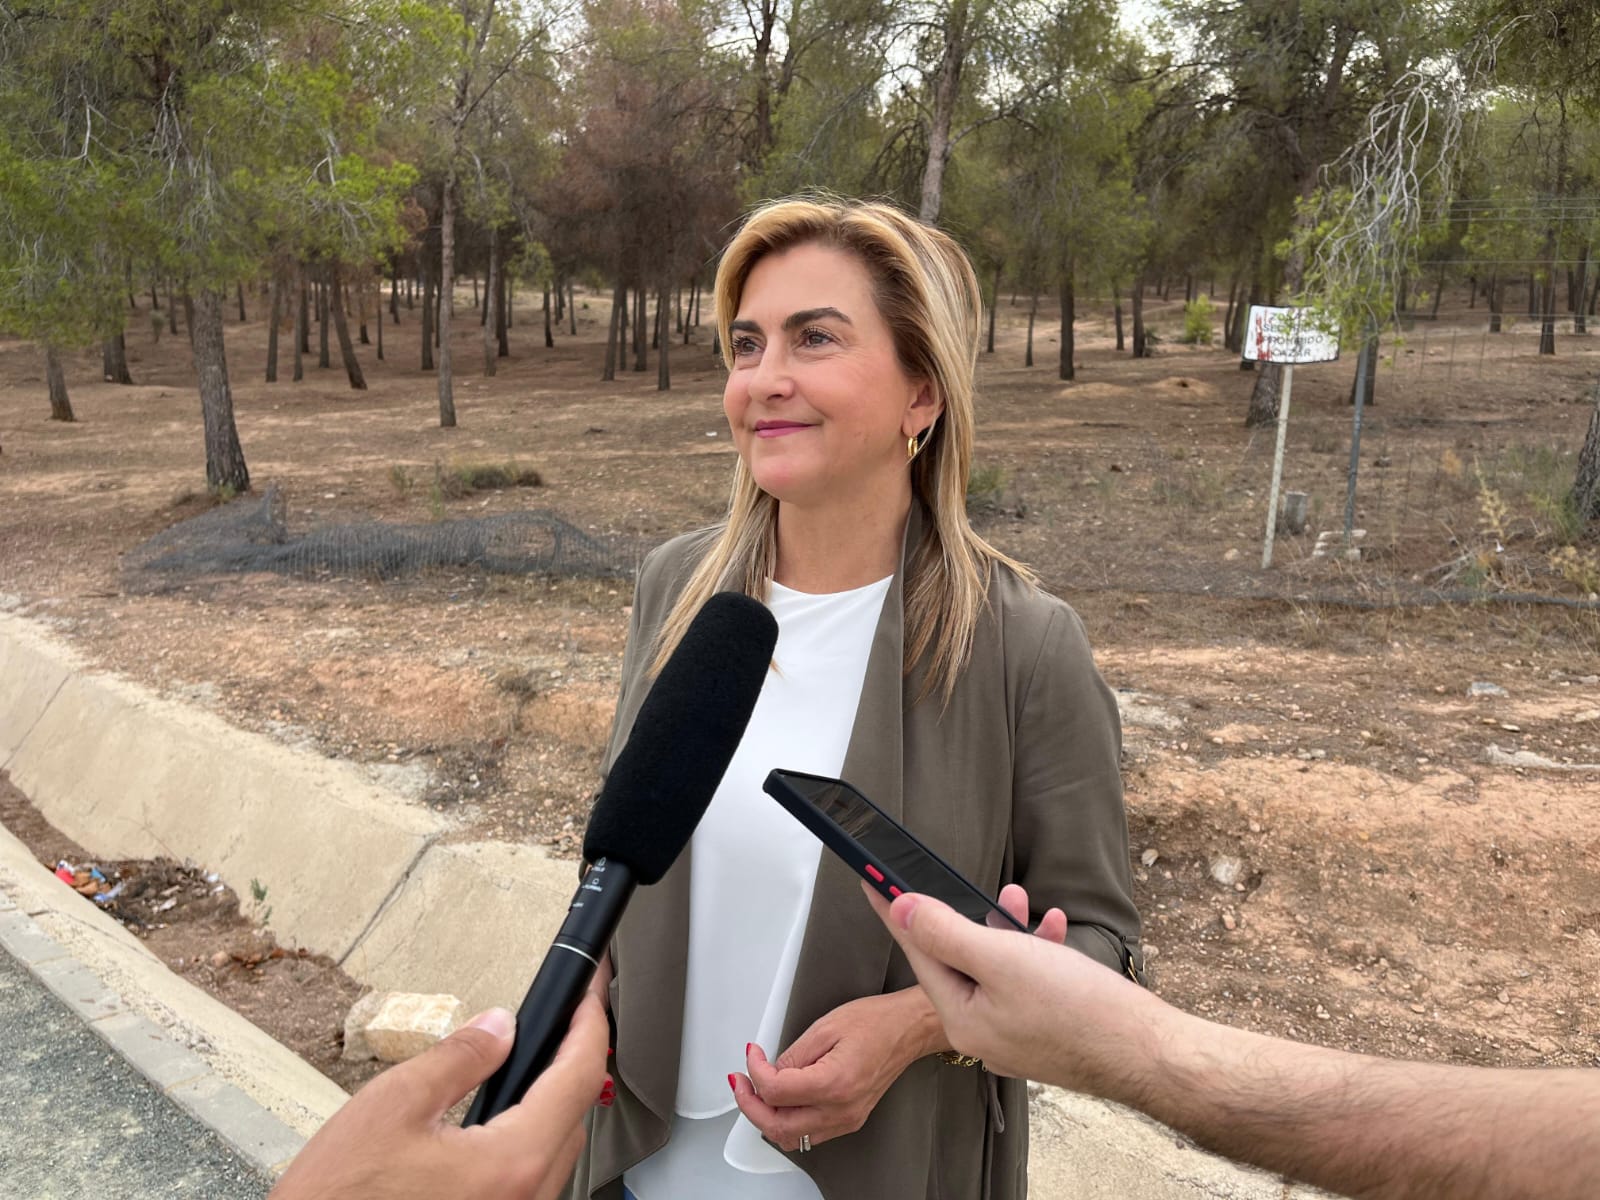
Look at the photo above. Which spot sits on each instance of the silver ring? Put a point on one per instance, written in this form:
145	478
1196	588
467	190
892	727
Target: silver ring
805	1143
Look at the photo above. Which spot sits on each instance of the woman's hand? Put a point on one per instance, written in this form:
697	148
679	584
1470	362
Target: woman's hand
600	985
827	1083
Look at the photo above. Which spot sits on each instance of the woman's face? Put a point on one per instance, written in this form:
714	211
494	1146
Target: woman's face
817	400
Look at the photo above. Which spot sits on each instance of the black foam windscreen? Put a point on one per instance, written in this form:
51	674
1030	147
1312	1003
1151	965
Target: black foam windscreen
683	738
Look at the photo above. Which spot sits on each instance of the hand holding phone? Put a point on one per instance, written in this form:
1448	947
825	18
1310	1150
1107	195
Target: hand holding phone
877	847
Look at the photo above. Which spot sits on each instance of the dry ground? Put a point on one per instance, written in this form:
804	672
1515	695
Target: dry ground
1392	891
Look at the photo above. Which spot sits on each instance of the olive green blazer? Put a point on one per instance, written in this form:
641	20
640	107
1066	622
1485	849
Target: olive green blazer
1014	780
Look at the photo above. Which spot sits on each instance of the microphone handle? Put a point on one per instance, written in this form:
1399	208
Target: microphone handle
558	988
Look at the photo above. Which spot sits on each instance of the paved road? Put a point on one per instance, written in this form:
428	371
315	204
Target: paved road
77	1121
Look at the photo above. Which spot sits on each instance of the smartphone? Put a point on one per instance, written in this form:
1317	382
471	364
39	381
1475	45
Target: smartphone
877	847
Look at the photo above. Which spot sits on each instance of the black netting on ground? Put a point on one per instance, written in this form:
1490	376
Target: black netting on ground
246	537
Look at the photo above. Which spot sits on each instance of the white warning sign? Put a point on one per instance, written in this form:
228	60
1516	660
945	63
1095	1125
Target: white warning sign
1288	335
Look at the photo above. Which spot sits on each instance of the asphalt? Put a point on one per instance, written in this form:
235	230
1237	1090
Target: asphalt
76	1120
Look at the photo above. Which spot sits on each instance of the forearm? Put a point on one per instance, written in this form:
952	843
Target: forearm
1371	1127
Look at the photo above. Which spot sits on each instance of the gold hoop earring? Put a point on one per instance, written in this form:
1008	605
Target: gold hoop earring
912	447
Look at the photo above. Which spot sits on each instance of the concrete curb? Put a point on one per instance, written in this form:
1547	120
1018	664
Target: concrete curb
187	1079
358	872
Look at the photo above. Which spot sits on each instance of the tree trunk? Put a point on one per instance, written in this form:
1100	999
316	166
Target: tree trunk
447	283
275	308
1369	351
188	315
1264	397
225	469
1136	298
1069	313
301	316
559	297
1547	318
114	359
378	324
240	290
428	310
324	302
502	315
572	307
361	314
619	301
1580	290
394	294
172	312
663	371
688	311
549	332
994	305
1496	298
946	95
491	304
1116	314
1438	293
1033	313
352	367
56	382
1586	488
641	356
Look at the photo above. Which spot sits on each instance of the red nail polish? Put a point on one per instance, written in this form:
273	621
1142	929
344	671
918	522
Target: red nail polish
608	1102
610	1050
747	1046
733	1082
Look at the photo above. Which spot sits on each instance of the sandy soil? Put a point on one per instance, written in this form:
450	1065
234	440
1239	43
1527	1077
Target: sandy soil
1322	845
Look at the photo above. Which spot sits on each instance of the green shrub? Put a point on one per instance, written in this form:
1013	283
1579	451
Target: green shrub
1197	322
983	486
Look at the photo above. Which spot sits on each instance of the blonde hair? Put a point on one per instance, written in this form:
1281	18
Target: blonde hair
928	296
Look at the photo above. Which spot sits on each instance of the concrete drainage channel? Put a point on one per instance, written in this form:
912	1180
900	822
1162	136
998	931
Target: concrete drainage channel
362	874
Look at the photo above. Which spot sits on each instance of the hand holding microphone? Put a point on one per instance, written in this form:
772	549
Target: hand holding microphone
659	787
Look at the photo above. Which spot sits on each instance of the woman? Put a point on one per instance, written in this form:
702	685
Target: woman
914	660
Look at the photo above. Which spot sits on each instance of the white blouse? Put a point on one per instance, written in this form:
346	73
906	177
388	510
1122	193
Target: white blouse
754	870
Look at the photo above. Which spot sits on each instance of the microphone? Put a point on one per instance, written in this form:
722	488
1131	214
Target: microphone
685	735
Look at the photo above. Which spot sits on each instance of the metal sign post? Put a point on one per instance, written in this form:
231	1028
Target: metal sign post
1277	464
1286	336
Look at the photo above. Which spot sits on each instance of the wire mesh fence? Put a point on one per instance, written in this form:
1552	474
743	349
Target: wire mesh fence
247	537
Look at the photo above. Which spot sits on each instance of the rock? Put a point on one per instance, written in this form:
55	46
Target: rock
1229	921
400	1025
355	1026
1504	997
1136	709
1149	857
1528	759
220	959
1226	869
1323	1014
1486	689
1296	511
1231	555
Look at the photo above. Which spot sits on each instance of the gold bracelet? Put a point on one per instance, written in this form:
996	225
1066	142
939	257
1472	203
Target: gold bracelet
959	1060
